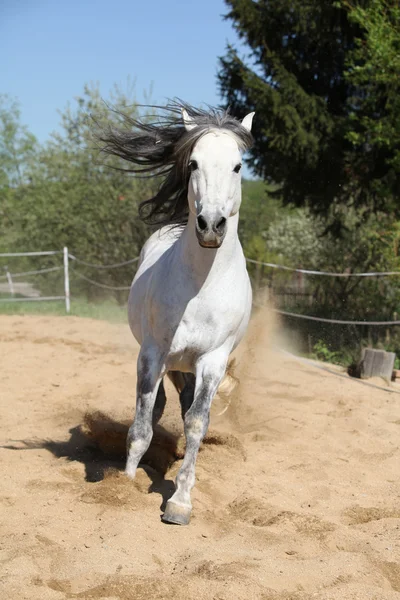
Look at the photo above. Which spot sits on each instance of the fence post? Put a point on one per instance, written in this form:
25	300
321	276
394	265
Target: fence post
66	281
10	281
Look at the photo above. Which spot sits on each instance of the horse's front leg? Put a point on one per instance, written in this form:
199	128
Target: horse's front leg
150	371
209	373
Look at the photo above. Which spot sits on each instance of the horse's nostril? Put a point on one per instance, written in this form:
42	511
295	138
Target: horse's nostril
202	223
221	223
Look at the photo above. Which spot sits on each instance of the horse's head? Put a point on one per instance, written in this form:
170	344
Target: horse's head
199	167
214	190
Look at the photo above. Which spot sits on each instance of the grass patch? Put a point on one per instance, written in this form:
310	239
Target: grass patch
106	310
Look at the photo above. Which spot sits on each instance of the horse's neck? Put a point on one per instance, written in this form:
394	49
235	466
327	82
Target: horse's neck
204	263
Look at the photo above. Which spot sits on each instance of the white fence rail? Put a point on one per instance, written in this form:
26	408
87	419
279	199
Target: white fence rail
12	288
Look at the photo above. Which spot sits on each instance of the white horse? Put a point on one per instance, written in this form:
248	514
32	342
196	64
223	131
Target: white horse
190	301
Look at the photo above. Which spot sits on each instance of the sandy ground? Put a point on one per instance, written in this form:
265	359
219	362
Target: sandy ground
297	493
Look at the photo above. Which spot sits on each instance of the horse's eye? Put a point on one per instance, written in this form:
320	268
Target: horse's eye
237	168
193	165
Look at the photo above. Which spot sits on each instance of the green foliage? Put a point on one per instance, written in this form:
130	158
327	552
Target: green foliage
17	145
373	69
323	353
72	199
345	356
296	239
325	89
259	209
17	150
368	243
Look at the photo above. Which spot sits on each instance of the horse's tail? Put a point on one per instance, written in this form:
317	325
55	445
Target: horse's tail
227	386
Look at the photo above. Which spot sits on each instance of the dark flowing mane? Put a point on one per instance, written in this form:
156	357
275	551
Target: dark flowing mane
163	148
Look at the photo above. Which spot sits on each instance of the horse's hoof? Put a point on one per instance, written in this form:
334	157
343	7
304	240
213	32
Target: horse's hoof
176	514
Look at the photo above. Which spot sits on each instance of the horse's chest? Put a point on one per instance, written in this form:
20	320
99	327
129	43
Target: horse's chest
199	321
202	328
185	318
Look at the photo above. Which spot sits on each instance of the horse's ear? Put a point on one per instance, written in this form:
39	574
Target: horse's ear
247	121
188	121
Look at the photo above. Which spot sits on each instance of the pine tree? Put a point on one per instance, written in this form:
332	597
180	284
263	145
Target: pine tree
297	78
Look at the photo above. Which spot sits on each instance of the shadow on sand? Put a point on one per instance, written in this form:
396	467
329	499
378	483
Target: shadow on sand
99	443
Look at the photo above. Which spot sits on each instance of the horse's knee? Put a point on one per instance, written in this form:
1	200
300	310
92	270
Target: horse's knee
139	433
196	425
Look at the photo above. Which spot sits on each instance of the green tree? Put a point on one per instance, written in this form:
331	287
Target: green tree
74	199
17	144
297	79
259	209
373	71
17	150
369	243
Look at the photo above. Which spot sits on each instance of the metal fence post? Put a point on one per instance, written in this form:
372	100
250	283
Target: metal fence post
66	281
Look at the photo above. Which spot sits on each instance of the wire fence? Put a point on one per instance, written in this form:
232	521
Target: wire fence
28	273
335	321
323	273
100	285
25	291
10	276
94	266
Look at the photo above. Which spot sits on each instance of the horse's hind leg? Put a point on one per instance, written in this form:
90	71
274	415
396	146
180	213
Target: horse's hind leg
149	377
184	384
186	396
159	405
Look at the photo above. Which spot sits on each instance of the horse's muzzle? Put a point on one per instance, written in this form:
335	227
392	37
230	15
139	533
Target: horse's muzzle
210	234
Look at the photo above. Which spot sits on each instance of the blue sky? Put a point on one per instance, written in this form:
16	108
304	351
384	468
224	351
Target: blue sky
51	48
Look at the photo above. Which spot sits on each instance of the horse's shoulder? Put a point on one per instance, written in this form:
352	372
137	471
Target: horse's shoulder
159	242
166	235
